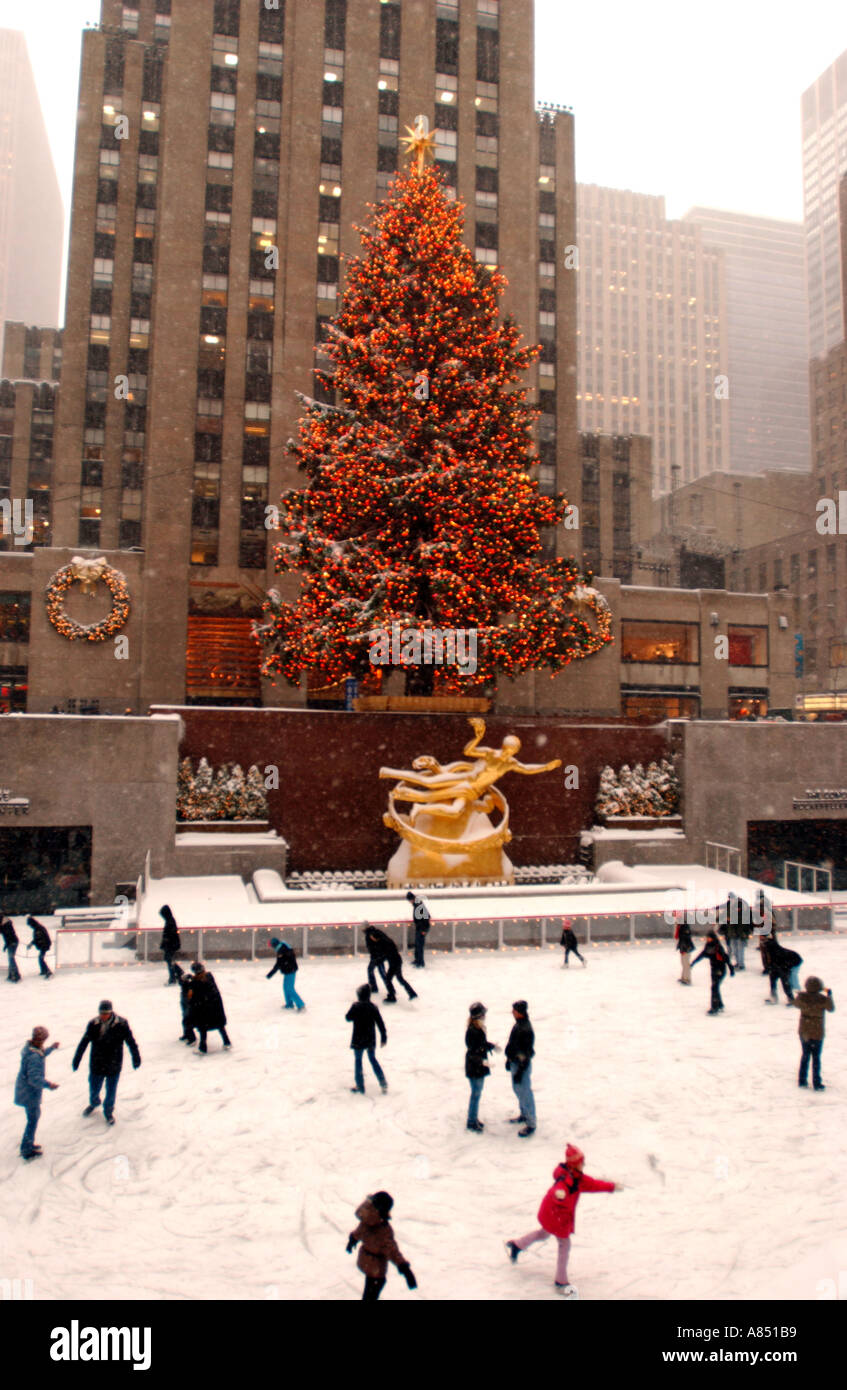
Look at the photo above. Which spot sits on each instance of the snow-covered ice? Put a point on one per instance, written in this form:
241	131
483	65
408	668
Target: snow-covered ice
236	1175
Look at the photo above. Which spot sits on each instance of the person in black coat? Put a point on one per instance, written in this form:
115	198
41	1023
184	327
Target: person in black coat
780	963
685	945
186	988
286	963
10	946
520	1050
42	943
385	957
718	958
170	943
106	1034
423	921
477	1048
569	942
207	1007
366	1018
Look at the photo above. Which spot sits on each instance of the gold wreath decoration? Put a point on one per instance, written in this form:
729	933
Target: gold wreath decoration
88	573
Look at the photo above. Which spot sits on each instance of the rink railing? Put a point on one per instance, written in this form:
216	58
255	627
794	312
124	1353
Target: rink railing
454	934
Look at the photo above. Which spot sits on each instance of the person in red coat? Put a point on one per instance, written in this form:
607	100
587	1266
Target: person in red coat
557	1213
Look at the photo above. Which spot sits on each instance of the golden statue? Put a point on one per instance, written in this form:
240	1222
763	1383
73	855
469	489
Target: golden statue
447	834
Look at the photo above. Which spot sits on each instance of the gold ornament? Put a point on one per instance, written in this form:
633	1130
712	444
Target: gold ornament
447	834
419	142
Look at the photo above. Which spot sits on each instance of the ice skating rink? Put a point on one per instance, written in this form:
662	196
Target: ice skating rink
236	1175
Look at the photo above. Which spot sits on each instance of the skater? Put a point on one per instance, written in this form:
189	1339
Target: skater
734	918
520	1050
477	1048
42	943
685	945
10	946
366	1018
378	1246
107	1034
286	962
716	954
186	985
30	1086
762	920
569	941
814	1002
780	962
207	1007
386	957
423	922
557	1213
170	943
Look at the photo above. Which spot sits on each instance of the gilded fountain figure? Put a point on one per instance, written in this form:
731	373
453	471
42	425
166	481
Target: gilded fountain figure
447	834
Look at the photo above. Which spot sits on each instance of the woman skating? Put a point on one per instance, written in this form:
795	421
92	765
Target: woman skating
170	942
477	1048
557	1213
569	942
685	945
207	1007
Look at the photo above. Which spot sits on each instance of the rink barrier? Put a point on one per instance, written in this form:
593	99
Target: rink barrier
501	933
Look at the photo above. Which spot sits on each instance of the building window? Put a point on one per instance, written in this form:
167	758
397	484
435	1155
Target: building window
748	646
660	643
14	617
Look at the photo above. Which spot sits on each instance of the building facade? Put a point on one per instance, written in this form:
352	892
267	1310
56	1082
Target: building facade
31	353
32	217
824	115
767	337
652	348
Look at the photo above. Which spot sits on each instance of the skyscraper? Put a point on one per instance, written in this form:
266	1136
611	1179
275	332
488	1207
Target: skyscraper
652	344
766	337
225	153
824	162
31	213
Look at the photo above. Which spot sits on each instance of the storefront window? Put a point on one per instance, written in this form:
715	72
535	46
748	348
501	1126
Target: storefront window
652	709
14	616
660	643
748	646
748	706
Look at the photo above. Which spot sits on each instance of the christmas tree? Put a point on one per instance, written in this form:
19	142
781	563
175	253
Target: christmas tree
419	512
184	789
255	800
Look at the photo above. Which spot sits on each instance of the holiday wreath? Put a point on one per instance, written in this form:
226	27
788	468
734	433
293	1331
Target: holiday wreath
87	573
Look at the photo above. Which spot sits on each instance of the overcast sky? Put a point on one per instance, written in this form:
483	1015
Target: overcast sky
698	102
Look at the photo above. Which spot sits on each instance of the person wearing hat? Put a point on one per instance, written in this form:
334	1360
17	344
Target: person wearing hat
557	1213
366	1018
106	1034
30	1085
477	1048
520	1050
207	1006
42	943
10	946
286	962
570	942
814	1003
422	920
378	1245
170	942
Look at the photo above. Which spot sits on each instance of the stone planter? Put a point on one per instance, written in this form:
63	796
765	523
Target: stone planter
423	704
225	827
645	823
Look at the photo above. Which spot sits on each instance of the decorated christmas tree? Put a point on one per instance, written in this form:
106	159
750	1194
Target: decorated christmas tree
634	792
203	796
419	510
255	798
184	789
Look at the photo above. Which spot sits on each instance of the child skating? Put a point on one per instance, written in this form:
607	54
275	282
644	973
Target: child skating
557	1214
378	1246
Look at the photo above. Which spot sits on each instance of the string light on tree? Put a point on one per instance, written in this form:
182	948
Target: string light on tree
421	508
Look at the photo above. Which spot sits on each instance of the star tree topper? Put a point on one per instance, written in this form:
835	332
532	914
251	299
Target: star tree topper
419	142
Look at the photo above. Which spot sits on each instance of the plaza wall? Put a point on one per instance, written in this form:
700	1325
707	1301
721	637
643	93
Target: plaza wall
330	801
